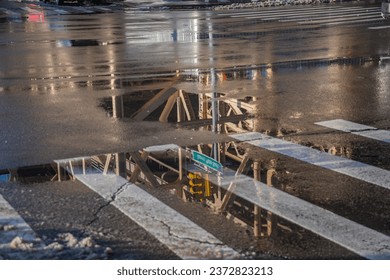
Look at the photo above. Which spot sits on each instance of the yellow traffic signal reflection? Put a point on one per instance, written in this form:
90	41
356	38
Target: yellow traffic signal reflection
199	186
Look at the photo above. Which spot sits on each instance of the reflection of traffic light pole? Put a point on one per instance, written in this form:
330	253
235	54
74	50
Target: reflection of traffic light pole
215	113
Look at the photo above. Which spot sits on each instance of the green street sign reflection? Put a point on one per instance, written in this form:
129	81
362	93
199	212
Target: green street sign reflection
206	161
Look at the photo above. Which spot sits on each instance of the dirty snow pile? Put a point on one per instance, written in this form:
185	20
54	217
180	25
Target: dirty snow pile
64	246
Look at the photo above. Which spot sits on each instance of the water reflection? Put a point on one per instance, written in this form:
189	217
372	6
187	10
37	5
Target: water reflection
383	85
4	177
273	93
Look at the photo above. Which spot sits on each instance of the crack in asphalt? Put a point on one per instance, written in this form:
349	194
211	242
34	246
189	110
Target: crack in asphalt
384	248
187	238
108	203
363	130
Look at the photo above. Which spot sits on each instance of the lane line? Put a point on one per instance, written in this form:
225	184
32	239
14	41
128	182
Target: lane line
379	27
355	169
185	238
357	129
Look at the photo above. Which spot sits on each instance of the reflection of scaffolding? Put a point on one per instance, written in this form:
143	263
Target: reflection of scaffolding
196	111
233	114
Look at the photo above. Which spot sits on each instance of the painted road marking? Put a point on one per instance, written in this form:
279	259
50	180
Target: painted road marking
332	17
322	15
334	21
357	129
83	10
103	9
14	226
296	11
61	12
379	27
185	238
357	238
308	13
368	19
355	169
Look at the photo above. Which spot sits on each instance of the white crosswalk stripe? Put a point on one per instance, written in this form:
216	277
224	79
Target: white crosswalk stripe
357	129
321	16
103	9
379	27
355	169
353	19
333	17
185	238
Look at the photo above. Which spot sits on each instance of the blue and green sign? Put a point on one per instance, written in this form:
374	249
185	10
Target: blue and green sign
206	161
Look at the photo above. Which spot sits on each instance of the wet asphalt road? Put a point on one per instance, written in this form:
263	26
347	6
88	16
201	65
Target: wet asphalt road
59	70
